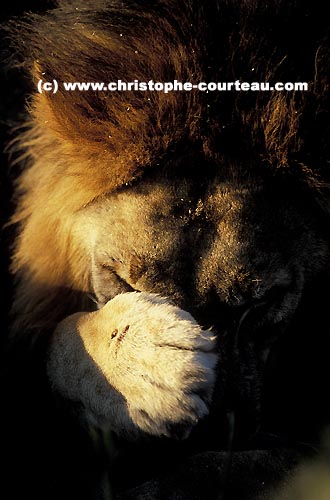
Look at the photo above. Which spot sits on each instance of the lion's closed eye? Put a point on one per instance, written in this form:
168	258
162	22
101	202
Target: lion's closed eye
107	283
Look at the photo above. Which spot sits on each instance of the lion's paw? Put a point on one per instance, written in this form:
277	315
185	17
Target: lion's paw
139	363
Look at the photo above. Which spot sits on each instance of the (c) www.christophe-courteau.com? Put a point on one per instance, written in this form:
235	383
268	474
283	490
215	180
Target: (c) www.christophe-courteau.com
166	87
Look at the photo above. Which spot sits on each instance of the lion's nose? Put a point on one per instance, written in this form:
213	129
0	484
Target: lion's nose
255	292
248	288
268	299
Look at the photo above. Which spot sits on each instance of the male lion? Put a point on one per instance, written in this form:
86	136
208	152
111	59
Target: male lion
172	256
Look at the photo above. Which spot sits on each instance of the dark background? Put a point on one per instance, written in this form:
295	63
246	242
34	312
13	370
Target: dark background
13	95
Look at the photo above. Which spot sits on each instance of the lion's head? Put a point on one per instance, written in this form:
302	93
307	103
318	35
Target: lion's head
218	201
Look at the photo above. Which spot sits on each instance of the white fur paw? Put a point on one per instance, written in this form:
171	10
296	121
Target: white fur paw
139	364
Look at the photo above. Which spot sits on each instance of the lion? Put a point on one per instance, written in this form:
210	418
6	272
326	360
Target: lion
172	252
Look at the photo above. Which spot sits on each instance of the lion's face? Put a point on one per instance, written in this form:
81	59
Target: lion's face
236	252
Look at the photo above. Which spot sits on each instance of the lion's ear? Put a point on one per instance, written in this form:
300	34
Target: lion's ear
91	147
100	138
